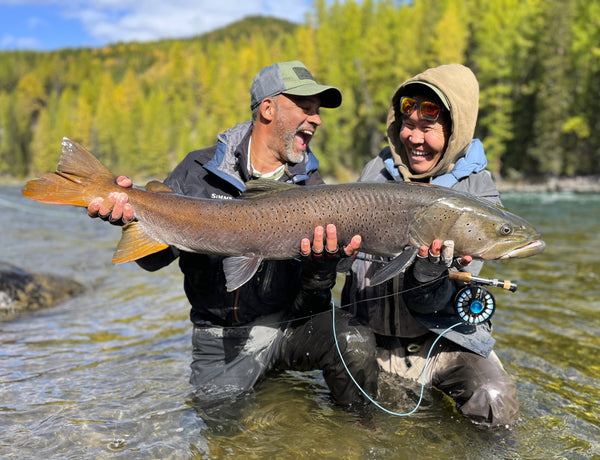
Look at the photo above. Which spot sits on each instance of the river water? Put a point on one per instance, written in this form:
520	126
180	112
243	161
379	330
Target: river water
105	374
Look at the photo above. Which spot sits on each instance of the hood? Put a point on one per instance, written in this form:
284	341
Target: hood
459	86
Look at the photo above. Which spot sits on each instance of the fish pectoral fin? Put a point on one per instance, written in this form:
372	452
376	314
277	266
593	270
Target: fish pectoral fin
395	266
239	269
135	244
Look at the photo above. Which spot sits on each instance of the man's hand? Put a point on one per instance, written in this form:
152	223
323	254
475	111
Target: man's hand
319	262
432	261
330	242
114	208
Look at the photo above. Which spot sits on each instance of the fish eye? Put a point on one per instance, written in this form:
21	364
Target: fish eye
505	230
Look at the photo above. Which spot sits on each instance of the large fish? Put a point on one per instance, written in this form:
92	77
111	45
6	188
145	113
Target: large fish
271	218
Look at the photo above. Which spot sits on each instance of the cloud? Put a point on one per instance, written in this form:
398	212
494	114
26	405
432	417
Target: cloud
52	24
12	42
34	22
127	20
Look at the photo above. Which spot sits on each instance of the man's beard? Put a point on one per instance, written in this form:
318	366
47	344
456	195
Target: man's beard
291	155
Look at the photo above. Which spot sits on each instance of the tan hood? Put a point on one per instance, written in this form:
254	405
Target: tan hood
459	85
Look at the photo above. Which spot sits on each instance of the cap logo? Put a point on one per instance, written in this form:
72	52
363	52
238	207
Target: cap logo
303	74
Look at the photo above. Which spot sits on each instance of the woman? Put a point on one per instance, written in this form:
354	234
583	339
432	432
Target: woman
430	127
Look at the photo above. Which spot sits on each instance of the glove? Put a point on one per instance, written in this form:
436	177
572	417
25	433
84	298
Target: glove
317	277
428	268
319	270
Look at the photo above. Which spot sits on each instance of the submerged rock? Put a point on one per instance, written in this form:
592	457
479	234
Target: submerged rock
22	291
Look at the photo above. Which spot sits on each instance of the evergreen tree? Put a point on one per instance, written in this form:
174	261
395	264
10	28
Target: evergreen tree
504	121
141	107
552	99
45	145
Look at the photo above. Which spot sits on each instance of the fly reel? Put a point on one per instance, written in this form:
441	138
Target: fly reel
474	304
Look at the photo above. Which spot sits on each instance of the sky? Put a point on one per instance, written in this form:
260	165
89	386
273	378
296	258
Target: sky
46	25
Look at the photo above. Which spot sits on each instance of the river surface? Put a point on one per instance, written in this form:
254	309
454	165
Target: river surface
105	374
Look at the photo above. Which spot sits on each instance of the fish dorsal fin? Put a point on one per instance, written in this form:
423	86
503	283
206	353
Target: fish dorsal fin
395	266
135	244
260	188
157	186
239	269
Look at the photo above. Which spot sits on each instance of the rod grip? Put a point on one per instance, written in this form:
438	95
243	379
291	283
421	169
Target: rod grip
465	277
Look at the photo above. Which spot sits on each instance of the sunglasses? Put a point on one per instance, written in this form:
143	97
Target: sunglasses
427	110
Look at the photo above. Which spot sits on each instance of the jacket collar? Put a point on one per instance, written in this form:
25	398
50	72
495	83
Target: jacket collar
231	157
474	161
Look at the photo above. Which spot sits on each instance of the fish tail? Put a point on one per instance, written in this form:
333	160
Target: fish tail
78	179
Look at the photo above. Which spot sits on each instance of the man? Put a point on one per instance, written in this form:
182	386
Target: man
430	127
282	317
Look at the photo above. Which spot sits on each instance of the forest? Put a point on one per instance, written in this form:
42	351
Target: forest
141	107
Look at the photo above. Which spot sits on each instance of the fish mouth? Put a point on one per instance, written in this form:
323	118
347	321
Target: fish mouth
528	250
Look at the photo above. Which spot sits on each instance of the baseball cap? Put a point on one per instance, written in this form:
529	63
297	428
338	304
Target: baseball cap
434	88
291	78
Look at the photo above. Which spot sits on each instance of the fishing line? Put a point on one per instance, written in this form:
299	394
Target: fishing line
313	315
423	373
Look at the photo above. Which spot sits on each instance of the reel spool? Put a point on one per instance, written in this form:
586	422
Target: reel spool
474	304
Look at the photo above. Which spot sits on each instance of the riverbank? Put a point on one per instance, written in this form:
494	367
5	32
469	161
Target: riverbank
582	184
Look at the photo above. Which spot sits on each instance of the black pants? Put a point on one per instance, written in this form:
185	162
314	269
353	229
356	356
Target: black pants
229	361
311	345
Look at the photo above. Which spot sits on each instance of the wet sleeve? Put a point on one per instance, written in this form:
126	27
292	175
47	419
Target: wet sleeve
159	259
317	277
430	297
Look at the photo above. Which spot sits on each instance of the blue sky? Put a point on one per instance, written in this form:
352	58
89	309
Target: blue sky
44	25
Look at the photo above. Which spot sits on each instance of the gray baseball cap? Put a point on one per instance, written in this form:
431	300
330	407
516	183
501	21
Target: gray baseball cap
291	78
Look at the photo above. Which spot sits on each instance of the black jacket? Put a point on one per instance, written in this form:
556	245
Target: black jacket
220	172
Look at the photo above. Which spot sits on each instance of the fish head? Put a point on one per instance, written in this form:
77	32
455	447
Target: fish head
479	229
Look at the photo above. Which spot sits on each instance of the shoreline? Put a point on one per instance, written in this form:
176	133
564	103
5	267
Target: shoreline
580	184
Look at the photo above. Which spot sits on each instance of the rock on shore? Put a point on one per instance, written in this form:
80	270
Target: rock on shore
22	291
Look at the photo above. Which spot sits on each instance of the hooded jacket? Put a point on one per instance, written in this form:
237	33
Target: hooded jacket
458	88
462	167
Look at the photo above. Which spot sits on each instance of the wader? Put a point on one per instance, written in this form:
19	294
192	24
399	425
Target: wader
484	393
228	361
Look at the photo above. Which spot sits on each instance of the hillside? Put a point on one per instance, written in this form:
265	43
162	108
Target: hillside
140	107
